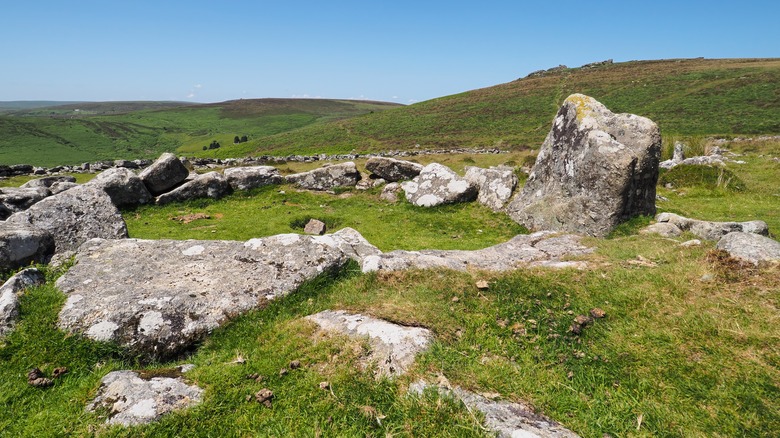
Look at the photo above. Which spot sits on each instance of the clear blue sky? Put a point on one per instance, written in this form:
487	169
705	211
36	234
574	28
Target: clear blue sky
402	51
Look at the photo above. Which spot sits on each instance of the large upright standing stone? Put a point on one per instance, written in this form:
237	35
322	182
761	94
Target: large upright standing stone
164	174
595	170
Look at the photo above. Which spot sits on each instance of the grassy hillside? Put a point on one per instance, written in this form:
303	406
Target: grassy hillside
61	135
691	97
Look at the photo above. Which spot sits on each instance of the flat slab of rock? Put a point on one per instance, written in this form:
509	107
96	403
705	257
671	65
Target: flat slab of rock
131	400
22	244
247	178
164	174
158	298
351	243
438	184
123	186
392	170
495	185
9	296
751	248
327	178
212	185
673	225
393	347
74	216
47	182
16	199
595	170
540	249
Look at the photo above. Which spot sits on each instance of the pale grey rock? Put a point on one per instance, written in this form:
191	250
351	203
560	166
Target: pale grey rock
314	226
751	248
529	250
369	183
350	242
327	178
595	170
74	216
390	192
9	296
132	400
504	418
16	199
164	174
47	182
436	185
174	293
392	170
393	347
123	186
209	185
127	164
679	152
22	244
662	228
60	187
247	178
711	230
691	243
495	185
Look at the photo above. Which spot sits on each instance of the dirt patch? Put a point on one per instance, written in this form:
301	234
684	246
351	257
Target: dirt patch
187	218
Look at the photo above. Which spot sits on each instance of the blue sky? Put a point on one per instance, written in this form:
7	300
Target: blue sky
402	51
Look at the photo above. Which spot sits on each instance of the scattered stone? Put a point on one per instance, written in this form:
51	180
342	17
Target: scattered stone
60	187
17	199
369	183
264	397
327	178
436	185
707	277
315	227
47	182
751	248
174	293
483	285
597	313
125	164
642	261
283	372
123	186
22	244
131	400
37	379
710	230
391	169
74	216
540	249
325	385
164	174
9	296
393	347
294	365
495	185
664	229
390	192
351	243
580	322
187	218
247	178
212	185
690	243
595	170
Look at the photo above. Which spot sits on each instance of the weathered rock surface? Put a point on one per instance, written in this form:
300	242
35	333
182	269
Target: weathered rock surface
131	400
542	248
392	170
164	174
327	178
123	186
715	158
505	419
595	170
23	244
174	293
390	192
16	199
61	186
393	347
74	216
662	228
209	185
495	185
9	296
247	178
351	243
47	182
314	226
436	185
750	247
705	229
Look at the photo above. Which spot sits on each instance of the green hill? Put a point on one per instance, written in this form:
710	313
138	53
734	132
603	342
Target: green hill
111	130
691	97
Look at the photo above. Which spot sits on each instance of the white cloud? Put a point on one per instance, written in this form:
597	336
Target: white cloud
199	86
190	96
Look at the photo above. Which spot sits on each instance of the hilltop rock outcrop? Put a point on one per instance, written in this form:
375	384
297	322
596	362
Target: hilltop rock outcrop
123	186
392	170
595	170
327	178
437	184
74	216
176	292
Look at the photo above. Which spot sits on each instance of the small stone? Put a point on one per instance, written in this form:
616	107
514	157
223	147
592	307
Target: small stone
315	227
264	396
597	313
690	243
294	365
248	398
483	285
708	277
582	320
283	372
324	385
455	299
570	375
